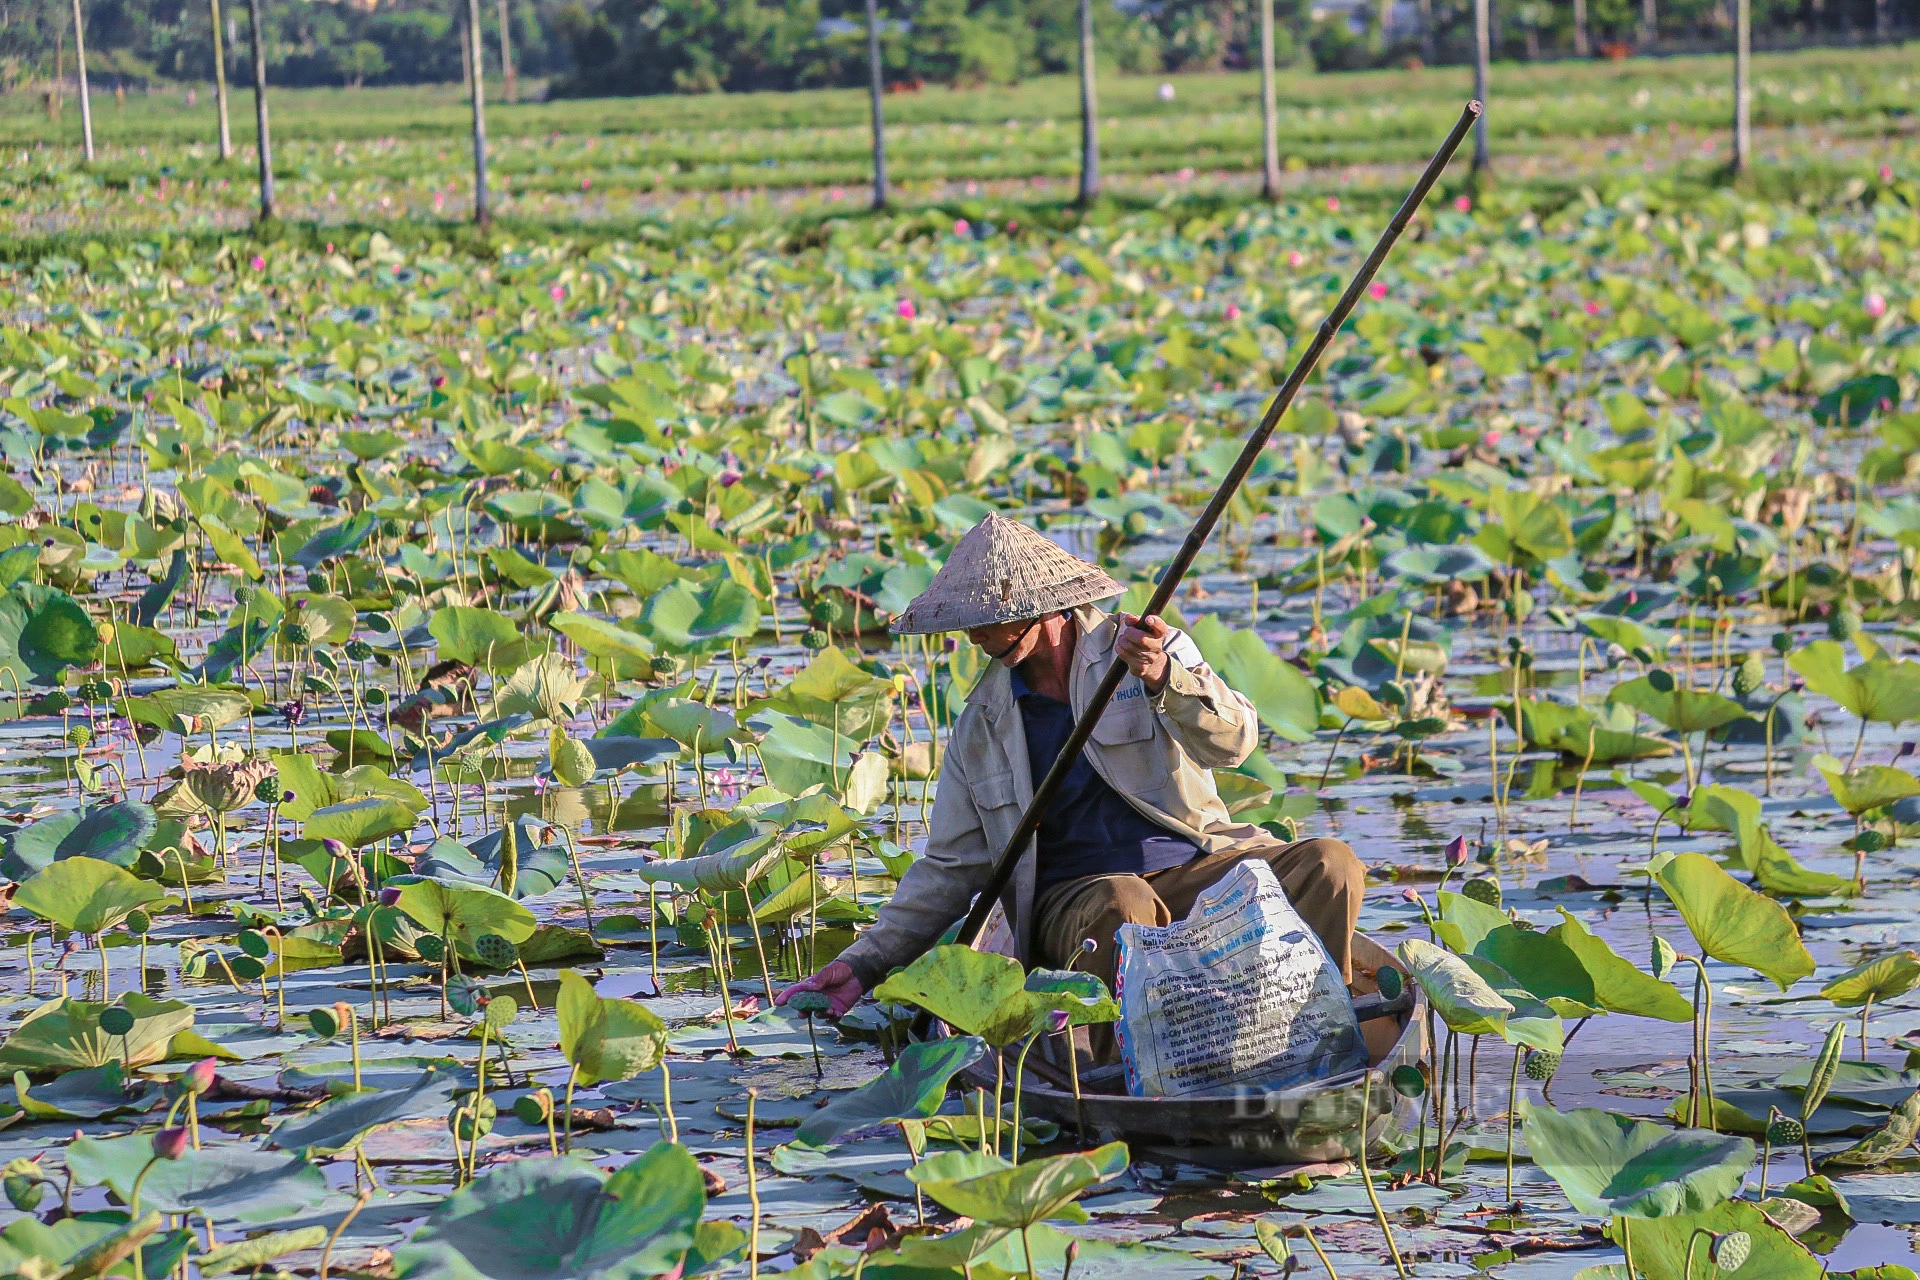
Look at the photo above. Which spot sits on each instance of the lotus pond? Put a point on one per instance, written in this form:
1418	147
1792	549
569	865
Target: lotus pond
446	696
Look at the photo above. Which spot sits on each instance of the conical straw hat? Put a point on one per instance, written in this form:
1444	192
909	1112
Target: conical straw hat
1002	571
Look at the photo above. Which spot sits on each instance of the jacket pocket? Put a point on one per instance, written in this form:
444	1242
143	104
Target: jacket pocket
1124	722
995	791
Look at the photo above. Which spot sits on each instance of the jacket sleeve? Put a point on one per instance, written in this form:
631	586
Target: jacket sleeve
936	890
1216	726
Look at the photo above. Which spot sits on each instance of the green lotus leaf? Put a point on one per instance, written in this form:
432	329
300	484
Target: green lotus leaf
360	822
43	632
1661	1246
1892	1138
224	1182
1681	710
607	1038
976	992
912	1087
1873	787
65	1034
1610	1165
1463	998
1879	689
479	637
467	911
683	618
1285	699
85	894
1881	978
1017	1196
254	1253
1618	985
563	1217
339	1125
114	833
1733	923
83	1248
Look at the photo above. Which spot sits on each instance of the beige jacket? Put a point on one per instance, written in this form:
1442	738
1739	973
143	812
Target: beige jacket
1156	750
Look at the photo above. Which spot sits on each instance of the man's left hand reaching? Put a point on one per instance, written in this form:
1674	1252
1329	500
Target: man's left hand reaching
1143	647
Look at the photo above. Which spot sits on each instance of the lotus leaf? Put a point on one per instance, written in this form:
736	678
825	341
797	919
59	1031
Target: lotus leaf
912	1087
114	833
85	894
467	911
224	1182
1462	997
1613	1166
43	632
607	1038
341	1124
65	1034
1016	1196
1733	923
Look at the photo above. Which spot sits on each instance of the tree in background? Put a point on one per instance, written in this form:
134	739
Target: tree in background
86	100
220	83
477	91
1089	111
876	87
257	37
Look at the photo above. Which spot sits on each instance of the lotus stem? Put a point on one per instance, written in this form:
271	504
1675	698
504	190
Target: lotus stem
326	1254
666	1094
1513	1094
1366	1174
1866	1011
753	1193
1327	768
1579	783
1626	1243
572	1077
1026	1247
106	990
1766	1150
1313	1240
999	1085
1019	1079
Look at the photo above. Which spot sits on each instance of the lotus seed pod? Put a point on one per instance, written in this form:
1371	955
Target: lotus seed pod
473	1119
268	790
810	1002
324	1024
358	650
1782	642
1661	680
430	948
1785	1131
1393	693
667	665
1482	889
244	596
828	611
104	632
501	1011
1664	957
1750	674
1730	1251
495	951
1408	1081
24	1192
1541	1064
1519	605
534	1108
255	944
573	762
814	639
1844	623
465	996
297	634
116	1021
1390	981
79	736
139	922
1136	524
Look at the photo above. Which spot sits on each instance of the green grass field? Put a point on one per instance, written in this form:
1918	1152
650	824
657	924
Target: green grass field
399	157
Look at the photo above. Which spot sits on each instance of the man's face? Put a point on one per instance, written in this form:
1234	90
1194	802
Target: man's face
1009	642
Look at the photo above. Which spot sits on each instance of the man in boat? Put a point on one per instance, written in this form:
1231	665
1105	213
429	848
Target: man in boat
1136	832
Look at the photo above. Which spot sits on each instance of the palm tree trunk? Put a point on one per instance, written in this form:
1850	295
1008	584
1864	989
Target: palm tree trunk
1269	121
220	84
876	89
482	215
1742	89
86	101
506	54
1482	39
1580	47
258	37
1089	111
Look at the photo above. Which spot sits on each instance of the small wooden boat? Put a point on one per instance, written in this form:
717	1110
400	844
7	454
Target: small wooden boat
1251	1127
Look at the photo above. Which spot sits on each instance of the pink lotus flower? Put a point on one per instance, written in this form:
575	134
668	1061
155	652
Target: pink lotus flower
1875	306
198	1078
1886	173
1457	852
170	1144
1295	258
329	246
1058	1021
1463	203
906	309
836	194
586	184
1377	290
1233	311
961	227
259	263
557	292
1185	175
1593	308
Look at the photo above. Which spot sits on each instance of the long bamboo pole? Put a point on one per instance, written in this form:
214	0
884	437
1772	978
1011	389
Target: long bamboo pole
1203	527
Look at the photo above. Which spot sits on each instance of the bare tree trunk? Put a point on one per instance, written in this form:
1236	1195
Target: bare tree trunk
482	215
1269	116
86	100
1880	19
258	36
1742	89
876	89
1427	52
1581	48
220	84
506	53
1089	111
1482	40
1649	24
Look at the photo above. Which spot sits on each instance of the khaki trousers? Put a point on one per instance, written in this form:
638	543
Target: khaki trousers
1322	877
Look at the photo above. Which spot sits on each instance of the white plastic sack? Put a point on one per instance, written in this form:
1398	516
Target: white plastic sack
1240	994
